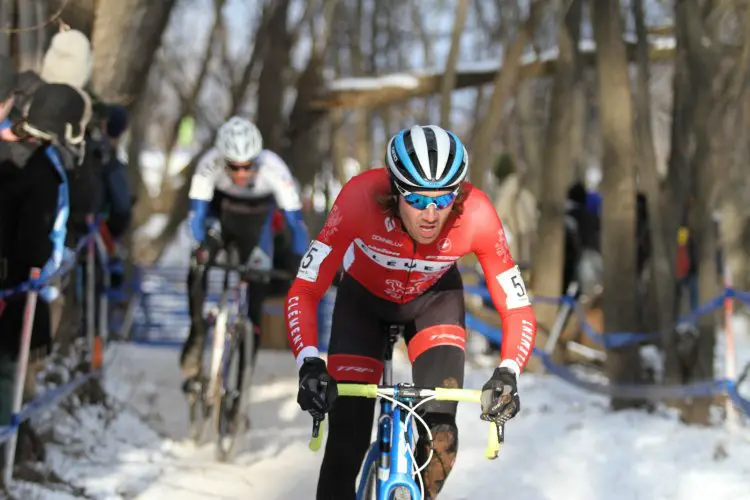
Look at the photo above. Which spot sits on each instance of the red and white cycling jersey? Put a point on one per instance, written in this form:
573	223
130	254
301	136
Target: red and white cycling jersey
378	252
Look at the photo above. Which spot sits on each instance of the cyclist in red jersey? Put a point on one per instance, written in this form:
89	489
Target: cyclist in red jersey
399	232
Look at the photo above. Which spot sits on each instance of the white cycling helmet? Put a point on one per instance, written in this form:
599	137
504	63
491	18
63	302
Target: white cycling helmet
239	140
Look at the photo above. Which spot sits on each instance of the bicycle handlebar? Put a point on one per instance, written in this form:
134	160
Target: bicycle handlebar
496	435
246	271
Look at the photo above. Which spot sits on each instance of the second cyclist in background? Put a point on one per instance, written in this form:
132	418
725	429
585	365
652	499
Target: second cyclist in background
234	192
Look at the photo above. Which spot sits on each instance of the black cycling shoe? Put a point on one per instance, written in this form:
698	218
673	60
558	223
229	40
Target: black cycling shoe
193	386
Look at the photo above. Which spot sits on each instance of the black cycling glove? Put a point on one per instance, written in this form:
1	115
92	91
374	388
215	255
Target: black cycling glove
317	389
499	397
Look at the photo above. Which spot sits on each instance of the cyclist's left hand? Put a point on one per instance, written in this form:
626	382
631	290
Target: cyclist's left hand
317	388
499	397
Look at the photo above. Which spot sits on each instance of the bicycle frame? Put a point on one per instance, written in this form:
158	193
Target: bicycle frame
238	304
227	316
391	455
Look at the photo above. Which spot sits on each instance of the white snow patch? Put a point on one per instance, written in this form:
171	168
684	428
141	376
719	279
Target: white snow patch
398	80
565	444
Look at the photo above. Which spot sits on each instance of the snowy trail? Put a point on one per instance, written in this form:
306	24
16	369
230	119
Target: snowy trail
564	445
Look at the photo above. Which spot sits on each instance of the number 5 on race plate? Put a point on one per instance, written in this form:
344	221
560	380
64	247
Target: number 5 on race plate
514	288
310	264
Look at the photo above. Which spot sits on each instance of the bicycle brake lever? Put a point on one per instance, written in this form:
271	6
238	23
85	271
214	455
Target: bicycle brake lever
317	435
495	440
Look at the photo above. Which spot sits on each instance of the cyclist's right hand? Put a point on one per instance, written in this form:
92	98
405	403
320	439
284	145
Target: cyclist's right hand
199	255
317	389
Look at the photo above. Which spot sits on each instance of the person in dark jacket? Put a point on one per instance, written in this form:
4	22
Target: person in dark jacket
33	214
116	199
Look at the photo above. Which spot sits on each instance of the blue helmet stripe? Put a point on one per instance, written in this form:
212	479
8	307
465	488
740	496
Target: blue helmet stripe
457	160
404	157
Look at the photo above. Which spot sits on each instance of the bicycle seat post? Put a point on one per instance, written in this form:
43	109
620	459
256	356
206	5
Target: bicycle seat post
393	332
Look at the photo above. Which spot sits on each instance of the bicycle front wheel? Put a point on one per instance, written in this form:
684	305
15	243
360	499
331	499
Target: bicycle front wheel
371	485
230	417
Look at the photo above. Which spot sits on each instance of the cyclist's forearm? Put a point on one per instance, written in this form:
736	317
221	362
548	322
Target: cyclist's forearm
197	219
300	235
302	321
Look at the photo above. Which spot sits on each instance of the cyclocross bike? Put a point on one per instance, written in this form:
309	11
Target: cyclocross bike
222	397
389	469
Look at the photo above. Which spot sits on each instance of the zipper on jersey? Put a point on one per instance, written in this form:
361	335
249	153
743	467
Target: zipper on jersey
408	274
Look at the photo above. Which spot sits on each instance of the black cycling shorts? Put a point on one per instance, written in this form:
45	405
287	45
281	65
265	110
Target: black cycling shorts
434	332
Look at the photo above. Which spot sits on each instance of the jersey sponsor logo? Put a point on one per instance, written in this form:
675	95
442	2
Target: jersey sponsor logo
383	250
387	241
309	266
331	226
351	368
401	263
527	342
397	290
390	224
447	338
501	247
451	258
444	245
514	288
292	318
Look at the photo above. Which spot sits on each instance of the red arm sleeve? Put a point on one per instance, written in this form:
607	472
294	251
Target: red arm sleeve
505	284
317	269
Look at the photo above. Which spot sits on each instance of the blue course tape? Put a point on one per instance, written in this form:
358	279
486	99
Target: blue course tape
615	340
632	391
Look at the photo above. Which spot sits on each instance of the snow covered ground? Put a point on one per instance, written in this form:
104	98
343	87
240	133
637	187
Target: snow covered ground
564	445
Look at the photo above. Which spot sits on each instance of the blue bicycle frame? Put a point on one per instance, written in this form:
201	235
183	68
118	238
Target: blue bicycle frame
390	454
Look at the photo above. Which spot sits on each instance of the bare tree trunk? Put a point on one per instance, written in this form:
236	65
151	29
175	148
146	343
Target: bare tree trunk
662	265
620	303
531	137
577	132
7	9
336	118
735	213
138	128
557	169
707	90
188	103
428	54
40	8
275	58
676	189
504	85
28	51
304	133
78	14
449	74
272	81
127	34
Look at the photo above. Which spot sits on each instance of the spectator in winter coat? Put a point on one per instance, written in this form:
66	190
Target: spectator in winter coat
33	213
116	199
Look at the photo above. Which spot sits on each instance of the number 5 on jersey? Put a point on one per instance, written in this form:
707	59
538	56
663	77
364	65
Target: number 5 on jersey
514	288
309	266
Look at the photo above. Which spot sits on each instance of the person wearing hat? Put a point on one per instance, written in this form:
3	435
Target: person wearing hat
33	214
